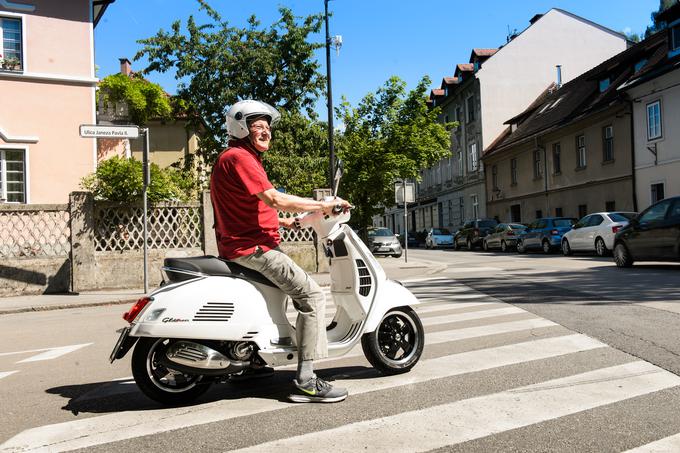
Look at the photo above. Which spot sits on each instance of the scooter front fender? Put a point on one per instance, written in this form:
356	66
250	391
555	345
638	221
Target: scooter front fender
391	295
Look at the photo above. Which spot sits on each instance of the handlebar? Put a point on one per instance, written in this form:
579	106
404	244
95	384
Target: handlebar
337	209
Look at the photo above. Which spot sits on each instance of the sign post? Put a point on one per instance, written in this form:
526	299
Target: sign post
128	131
405	193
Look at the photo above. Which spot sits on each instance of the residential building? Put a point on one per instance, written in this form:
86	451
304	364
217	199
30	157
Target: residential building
493	86
570	152
47	85
655	95
171	141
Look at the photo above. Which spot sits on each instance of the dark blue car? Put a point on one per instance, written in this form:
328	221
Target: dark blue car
544	234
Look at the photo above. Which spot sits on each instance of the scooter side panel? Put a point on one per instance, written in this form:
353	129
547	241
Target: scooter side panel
391	295
214	308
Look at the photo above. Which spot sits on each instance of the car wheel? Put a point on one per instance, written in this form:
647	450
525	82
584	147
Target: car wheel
600	248
622	256
504	247
546	246
455	245
468	243
485	245
566	248
520	247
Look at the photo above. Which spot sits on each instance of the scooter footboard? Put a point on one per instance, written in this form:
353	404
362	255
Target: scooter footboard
391	295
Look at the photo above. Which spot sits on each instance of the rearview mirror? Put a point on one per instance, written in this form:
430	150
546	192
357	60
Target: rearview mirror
339	170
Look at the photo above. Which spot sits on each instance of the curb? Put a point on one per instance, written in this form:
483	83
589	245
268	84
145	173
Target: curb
10	311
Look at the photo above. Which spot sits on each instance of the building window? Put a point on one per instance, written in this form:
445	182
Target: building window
675	40
558	212
459	115
513	171
472	158
582	210
470	109
604	84
461	209
557	158
461	164
580	151
654	120
475	206
607	143
539	214
657	192
12	176
537	163
610	206
494	177
12	49
449	172
446	118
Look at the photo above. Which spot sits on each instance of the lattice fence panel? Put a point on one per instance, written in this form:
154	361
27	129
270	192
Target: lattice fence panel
120	227
304	235
34	233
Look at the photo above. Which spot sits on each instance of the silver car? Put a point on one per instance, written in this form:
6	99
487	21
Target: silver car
595	233
504	237
382	241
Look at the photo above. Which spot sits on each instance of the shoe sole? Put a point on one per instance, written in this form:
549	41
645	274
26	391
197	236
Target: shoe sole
315	399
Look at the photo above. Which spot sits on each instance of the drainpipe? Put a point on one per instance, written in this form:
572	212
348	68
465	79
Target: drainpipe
632	154
545	174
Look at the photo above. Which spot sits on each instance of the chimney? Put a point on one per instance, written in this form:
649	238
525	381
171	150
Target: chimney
533	20
125	66
559	76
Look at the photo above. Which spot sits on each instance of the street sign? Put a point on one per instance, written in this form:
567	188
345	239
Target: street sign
399	192
98	131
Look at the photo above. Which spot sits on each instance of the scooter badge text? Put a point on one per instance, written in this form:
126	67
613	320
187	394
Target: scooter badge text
174	320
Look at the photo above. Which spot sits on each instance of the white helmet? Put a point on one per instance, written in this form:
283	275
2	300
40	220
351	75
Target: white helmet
246	110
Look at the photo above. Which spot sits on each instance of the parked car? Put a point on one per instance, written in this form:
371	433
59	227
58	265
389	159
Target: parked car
473	233
653	235
382	241
438	237
504	237
544	234
412	239
595	232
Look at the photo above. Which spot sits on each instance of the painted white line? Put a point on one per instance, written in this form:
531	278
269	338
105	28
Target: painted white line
53	353
4	374
461	421
103	429
469	316
667	445
482	331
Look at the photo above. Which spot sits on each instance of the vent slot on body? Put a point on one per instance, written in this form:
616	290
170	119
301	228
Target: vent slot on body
365	280
215	311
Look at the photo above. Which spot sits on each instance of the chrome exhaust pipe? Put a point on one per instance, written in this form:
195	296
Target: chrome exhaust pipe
191	357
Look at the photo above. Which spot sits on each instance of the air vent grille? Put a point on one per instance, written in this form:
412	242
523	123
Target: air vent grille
365	281
215	311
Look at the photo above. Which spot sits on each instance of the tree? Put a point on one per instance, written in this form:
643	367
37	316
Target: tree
143	99
218	64
656	26
390	135
120	179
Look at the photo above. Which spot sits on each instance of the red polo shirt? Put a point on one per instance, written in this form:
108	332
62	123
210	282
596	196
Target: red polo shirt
242	220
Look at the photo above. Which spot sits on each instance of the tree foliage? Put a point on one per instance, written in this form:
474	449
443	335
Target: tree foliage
656	25
120	179
390	135
218	64
144	99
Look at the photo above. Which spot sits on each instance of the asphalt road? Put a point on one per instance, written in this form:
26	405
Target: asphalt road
523	353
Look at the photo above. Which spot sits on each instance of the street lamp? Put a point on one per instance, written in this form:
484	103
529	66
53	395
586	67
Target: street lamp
337	42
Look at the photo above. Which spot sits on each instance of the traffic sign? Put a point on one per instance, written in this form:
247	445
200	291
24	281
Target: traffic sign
98	131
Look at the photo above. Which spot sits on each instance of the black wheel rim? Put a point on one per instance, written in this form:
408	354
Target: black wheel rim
599	246
167	379
398	337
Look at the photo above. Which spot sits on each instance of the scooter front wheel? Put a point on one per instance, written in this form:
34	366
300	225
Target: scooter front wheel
160	383
397	344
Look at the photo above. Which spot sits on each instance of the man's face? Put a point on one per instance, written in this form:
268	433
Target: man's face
260	135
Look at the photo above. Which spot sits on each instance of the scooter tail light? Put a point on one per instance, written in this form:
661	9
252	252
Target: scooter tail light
133	312
554	232
616	228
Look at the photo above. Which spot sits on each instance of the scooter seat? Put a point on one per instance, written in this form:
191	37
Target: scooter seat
210	265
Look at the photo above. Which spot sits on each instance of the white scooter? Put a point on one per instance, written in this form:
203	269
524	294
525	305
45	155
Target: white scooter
215	318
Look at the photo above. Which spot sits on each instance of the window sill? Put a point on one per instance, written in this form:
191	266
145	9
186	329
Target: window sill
580	168
608	162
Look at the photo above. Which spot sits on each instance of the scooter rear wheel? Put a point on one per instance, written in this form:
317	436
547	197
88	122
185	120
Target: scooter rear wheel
397	344
160	383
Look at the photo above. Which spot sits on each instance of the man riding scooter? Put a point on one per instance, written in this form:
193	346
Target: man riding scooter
246	209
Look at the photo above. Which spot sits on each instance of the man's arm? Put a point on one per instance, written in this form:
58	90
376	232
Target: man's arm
291	203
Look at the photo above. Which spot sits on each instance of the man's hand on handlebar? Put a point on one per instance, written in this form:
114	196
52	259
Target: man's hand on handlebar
335	206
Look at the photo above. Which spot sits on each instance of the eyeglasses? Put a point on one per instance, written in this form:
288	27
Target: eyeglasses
259	128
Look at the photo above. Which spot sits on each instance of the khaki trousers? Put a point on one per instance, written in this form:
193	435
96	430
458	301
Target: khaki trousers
308	299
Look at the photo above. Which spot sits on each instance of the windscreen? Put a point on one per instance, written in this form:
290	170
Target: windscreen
564	222
440	231
487	223
381	232
517	226
621	216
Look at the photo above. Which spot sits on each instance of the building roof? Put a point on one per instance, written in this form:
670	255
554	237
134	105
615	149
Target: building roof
98	9
482	53
584	95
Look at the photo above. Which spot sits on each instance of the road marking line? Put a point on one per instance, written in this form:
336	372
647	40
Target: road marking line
666	445
53	353
4	374
473	315
108	428
461	421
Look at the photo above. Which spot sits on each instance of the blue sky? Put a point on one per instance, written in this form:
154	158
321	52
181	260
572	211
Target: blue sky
381	38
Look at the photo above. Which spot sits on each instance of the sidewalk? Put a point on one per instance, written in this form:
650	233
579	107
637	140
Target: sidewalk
395	268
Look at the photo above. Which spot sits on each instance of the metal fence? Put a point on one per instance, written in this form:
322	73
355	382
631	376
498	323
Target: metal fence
304	235
34	231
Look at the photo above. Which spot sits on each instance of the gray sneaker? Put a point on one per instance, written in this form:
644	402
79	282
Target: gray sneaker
316	390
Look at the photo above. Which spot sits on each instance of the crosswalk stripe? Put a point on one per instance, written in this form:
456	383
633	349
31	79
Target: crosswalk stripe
465	420
666	445
53	353
126	425
4	374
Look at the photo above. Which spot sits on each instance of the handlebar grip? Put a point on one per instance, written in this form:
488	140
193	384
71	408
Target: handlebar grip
337	209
